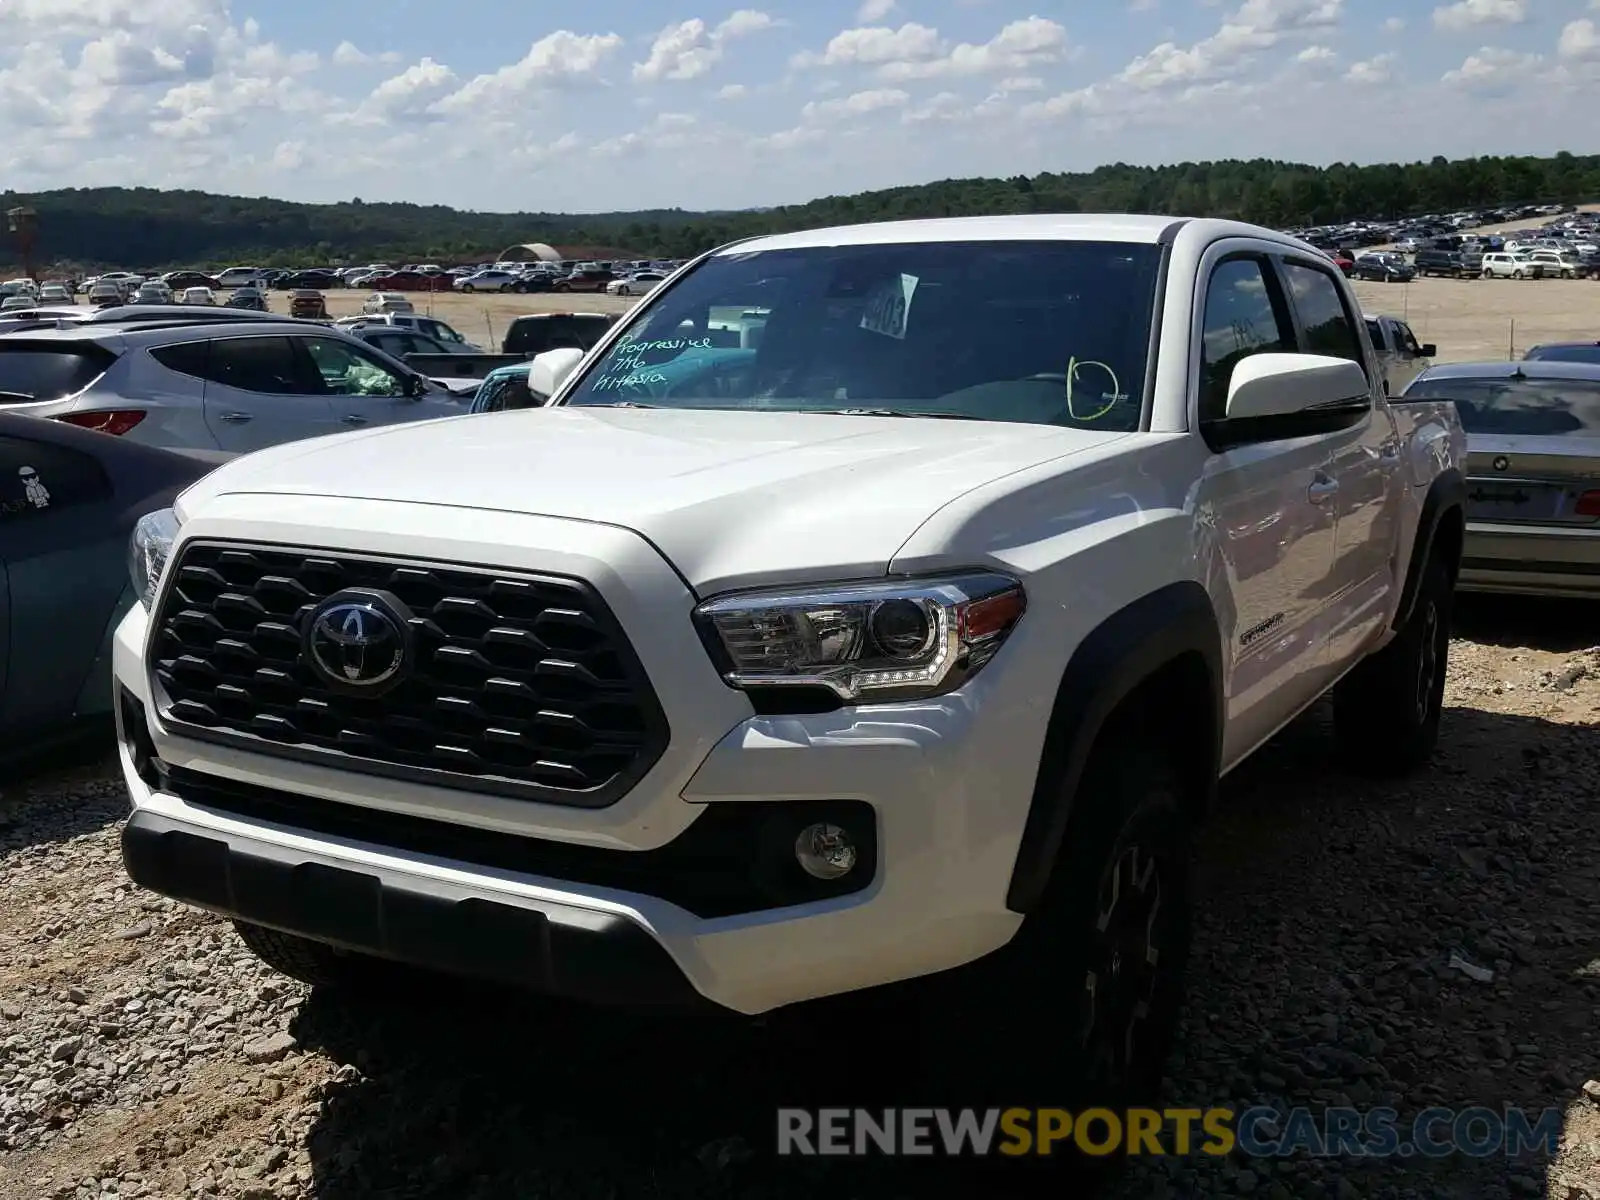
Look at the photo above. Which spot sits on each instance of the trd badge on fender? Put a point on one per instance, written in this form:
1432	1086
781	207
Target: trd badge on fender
356	641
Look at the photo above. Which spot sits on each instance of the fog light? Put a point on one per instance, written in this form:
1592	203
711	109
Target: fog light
825	851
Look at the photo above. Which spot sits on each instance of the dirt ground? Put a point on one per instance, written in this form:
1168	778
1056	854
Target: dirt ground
145	1054
481	317
1468	319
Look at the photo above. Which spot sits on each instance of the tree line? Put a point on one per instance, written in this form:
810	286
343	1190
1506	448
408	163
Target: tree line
152	228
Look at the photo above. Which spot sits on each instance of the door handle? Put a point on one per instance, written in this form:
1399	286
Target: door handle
237	418
1323	488
352	419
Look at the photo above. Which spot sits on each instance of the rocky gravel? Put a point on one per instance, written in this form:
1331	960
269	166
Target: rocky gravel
145	1053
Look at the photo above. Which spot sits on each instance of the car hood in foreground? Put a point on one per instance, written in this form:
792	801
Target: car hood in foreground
726	496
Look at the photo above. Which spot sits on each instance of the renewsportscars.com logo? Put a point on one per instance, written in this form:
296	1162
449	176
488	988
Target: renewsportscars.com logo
1254	1132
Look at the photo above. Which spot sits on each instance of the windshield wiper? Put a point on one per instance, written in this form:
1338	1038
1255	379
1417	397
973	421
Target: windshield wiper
894	412
615	404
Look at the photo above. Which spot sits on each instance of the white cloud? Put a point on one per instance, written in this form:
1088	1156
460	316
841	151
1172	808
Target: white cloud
560	58
1017	47
1376	70
1394	24
1492	69
874	45
944	106
348	54
732	91
690	48
1315	56
1254	26
1579	40
874	10
408	96
915	51
856	104
1472	14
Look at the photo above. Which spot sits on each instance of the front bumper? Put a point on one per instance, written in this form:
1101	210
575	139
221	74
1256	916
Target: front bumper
1531	561
947	783
552	947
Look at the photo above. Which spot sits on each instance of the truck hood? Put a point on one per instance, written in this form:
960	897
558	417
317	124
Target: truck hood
728	497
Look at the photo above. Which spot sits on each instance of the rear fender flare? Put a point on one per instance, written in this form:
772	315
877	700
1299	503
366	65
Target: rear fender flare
1447	494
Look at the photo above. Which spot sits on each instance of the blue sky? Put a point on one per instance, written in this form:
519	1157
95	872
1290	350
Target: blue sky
616	105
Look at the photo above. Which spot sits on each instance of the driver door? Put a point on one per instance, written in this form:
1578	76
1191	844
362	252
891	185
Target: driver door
362	389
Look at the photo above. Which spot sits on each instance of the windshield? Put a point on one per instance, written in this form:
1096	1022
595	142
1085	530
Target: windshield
1048	333
1519	407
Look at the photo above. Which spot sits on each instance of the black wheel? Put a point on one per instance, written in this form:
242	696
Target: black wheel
520	288
560	287
315	963
467	289
1387	711
1096	971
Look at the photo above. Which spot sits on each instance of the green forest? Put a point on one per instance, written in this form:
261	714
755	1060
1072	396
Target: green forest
150	228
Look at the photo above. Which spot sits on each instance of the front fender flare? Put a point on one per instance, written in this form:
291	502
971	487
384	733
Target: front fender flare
1124	651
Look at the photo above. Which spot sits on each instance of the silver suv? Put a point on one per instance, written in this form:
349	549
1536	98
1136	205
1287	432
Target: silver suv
204	382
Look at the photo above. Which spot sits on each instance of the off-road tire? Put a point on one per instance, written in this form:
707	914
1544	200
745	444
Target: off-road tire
311	962
1016	1027
1386	712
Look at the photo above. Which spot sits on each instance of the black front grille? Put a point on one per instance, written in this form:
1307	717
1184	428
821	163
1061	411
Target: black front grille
520	685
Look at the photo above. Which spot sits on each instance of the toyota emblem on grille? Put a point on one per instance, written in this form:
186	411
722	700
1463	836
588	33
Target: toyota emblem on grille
356	641
1502	463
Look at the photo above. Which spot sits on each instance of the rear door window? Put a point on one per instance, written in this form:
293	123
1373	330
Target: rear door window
186	358
269	365
41	370
1519	407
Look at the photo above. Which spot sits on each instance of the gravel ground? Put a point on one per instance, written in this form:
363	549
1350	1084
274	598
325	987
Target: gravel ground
144	1053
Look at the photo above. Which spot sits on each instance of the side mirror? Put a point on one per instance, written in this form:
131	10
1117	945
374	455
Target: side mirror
551	369
1428	350
1283	385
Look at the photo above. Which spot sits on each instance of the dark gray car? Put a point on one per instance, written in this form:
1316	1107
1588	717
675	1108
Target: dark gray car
69	498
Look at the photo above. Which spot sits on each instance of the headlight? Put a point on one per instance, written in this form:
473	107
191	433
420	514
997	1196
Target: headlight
148	550
894	640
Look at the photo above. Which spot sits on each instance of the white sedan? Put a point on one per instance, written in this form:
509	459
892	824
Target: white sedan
199	295
636	284
388	302
488	281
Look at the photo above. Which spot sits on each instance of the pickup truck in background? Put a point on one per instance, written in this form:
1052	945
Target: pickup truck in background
1401	357
525	337
837	629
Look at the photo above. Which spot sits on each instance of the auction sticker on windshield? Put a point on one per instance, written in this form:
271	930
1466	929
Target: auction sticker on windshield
889	306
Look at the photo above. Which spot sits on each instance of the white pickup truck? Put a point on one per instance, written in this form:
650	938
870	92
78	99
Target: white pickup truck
872	605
